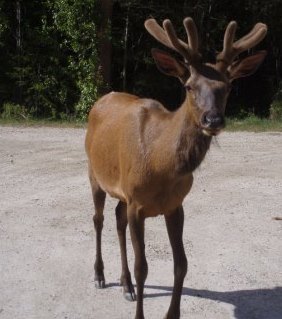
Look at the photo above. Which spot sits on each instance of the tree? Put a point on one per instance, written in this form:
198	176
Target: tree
75	20
58	56
105	43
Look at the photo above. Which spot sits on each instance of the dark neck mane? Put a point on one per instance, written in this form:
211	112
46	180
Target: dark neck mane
191	148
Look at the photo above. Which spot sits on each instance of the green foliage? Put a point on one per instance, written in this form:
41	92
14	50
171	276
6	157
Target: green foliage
74	21
14	111
276	110
52	67
53	71
276	106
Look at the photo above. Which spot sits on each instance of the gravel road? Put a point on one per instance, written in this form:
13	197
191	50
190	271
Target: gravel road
233	242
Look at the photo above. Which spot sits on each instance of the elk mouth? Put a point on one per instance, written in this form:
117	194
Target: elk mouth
212	123
211	132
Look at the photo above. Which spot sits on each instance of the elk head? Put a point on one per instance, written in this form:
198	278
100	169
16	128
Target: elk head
207	85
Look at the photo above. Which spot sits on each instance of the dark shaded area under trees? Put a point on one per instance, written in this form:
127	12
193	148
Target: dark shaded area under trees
55	54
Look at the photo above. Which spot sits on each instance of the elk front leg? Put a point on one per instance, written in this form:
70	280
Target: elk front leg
99	201
136	226
125	279
174	224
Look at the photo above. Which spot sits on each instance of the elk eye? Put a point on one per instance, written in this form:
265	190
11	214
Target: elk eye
188	87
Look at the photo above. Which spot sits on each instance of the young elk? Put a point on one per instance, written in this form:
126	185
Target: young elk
144	155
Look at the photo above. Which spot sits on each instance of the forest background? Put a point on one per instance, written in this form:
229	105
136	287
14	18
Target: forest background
58	56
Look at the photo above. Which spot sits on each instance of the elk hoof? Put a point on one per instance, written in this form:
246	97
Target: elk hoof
129	296
128	289
129	293
100	282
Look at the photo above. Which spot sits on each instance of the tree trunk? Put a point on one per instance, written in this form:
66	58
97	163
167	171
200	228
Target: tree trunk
106	45
124	69
19	50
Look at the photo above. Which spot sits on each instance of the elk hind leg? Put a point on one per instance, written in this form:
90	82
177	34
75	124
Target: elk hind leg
136	226
125	279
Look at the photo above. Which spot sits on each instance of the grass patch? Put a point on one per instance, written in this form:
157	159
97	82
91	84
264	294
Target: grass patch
32	122
17	115
254	124
250	123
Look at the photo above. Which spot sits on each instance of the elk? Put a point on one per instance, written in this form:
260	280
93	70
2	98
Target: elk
144	155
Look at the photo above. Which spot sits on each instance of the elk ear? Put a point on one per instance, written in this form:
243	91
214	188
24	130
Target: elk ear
247	66
169	65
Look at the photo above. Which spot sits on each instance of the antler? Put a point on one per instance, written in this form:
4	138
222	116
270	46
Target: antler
232	49
168	37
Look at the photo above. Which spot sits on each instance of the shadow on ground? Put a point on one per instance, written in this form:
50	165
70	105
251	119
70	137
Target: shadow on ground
257	304
249	304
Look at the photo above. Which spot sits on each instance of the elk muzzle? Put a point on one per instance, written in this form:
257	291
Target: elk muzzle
212	123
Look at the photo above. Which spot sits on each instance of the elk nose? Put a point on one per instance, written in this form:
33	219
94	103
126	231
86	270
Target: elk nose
212	120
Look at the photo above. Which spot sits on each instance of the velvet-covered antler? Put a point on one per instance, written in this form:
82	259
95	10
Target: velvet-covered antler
232	49
167	36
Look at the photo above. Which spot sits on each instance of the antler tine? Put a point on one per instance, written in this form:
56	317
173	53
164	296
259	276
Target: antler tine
168	37
228	40
253	38
251	33
229	37
157	32
192	34
180	46
231	49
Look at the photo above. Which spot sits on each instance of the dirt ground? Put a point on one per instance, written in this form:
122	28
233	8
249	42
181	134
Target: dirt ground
233	244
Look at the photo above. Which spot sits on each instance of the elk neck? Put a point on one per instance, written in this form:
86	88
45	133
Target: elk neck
191	144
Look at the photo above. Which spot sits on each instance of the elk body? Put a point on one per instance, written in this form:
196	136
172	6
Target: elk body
144	155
